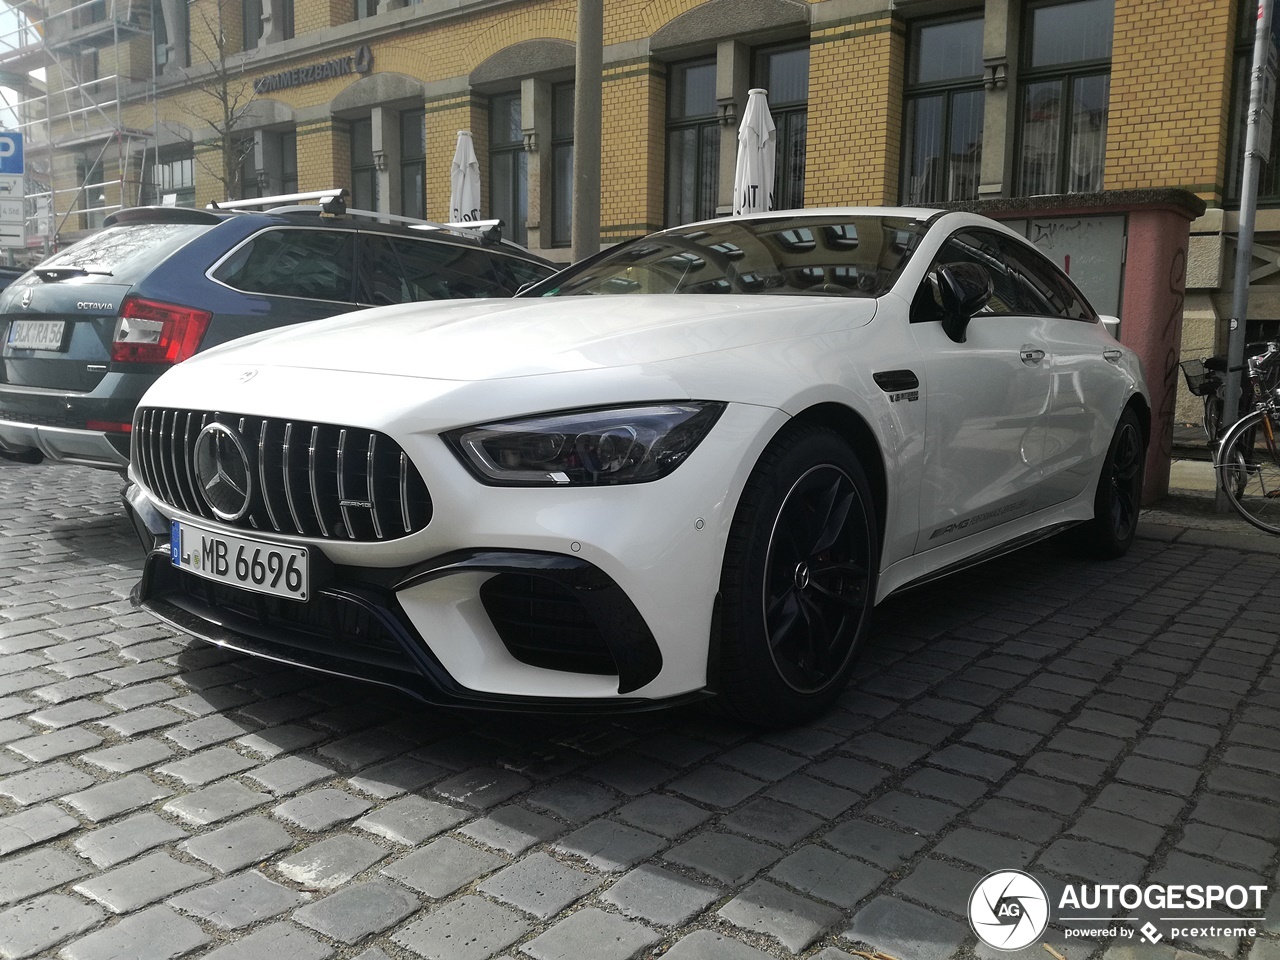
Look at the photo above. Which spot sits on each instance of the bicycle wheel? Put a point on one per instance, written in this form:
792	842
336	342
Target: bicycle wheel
1212	417
1249	470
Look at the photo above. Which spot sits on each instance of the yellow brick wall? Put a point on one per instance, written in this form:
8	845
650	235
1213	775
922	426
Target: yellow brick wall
632	151
324	155
1170	96
445	117
855	113
206	17
309	15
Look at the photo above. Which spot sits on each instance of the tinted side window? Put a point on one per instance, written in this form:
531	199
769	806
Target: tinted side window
971	246
513	273
315	264
1044	283
403	270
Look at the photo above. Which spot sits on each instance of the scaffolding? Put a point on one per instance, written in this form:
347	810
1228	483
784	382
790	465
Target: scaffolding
68	108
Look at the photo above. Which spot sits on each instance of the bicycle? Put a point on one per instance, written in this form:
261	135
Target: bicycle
1207	378
1247	460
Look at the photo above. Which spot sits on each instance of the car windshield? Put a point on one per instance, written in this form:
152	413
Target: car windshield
839	256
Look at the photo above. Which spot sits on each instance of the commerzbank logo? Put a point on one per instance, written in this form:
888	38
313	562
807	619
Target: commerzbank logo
1008	910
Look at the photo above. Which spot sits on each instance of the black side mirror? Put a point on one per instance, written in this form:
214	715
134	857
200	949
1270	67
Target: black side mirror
965	289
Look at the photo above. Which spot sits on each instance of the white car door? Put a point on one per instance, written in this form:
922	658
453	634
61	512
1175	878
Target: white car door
1088	389
987	400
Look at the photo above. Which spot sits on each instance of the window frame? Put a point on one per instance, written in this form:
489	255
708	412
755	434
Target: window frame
792	144
561	155
1241	81
948	89
1065	74
706	169
414	163
364	168
516	178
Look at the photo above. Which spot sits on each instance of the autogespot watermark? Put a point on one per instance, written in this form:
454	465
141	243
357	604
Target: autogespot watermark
1009	910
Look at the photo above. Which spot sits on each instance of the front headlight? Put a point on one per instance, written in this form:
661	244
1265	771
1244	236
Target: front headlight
586	447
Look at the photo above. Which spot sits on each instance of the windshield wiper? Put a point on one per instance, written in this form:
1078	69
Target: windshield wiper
67	272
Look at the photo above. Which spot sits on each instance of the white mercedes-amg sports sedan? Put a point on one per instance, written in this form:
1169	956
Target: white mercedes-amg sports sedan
686	467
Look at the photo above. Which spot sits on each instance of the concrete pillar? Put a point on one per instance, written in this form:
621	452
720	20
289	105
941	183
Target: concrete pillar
733	77
587	109
999	109
535	121
386	156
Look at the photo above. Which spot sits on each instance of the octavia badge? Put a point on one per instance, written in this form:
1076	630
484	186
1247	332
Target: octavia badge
222	470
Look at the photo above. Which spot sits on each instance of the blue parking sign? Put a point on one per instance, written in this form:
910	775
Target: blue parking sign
11	153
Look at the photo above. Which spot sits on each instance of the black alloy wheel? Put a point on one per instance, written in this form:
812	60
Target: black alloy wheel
816	578
799	579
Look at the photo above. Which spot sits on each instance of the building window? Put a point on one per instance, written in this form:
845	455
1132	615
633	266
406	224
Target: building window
942	137
288	162
252	24
784	72
282	10
562	165
172	183
413	163
693	143
1066	83
366	9
247	174
364	172
508	166
1268	172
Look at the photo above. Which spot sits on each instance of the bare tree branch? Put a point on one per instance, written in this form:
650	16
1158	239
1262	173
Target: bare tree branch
219	148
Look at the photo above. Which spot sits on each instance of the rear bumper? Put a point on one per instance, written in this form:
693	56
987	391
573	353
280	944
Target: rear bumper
90	448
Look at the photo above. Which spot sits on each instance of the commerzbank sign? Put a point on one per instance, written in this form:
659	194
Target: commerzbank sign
359	62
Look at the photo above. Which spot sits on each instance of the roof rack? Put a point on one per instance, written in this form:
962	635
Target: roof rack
328	201
487	231
334	202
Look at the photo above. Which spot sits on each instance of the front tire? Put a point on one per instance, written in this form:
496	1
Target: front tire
799	578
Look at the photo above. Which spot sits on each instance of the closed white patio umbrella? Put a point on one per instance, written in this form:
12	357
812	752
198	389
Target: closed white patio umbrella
464	181
757	148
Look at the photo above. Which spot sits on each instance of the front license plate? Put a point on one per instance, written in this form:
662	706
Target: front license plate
37	334
256	565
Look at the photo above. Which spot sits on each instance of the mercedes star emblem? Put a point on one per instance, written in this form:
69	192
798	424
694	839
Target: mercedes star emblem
222	470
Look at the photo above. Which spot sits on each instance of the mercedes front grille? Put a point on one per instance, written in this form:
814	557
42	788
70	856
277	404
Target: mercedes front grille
297	477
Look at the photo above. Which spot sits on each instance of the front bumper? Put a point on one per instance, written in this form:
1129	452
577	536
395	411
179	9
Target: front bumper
589	597
356	628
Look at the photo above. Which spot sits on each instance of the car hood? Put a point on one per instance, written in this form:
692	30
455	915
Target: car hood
493	339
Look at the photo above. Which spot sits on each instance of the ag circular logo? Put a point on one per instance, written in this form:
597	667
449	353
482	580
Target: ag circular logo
1008	910
222	470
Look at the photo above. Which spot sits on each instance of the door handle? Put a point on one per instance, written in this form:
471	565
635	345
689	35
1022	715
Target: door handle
1111	355
1031	355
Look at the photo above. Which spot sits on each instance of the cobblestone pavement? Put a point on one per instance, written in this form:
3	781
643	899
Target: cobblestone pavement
1112	723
